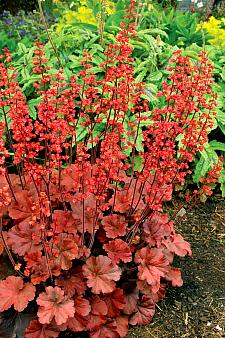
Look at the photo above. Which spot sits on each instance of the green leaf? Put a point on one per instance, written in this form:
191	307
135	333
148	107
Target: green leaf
156	76
139	142
147	38
81	131
7	116
150	91
111	29
96	48
28	82
97	59
96	70
220	99
75	61
222	127
223	75
87	26
114	19
147	122
94	5
221	180
133	138
120	5
28	57
32	104
138	163
22	49
179	139
139	67
141	45
92	41
67	72
220	116
191	54
208	158
99	128
33	112
215	145
152	31
25	74
141	75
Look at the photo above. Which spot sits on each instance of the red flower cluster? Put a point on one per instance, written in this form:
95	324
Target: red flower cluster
85	231
207	183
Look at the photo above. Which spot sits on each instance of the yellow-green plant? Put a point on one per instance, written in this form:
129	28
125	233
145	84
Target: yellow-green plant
84	12
216	29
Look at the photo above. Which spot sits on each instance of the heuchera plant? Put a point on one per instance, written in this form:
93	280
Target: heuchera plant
85	230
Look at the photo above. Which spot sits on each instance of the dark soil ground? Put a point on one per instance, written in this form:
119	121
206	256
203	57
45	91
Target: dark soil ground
197	309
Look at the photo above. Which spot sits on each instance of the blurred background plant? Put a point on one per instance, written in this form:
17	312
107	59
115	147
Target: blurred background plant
22	27
82	11
216	28
16	5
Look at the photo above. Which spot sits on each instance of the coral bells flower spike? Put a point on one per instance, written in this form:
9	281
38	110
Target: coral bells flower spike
189	112
3	150
53	305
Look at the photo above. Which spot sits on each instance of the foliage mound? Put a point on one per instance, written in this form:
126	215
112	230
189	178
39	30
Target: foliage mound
83	222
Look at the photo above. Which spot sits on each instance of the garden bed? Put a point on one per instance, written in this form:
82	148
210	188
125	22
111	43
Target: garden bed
92	157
